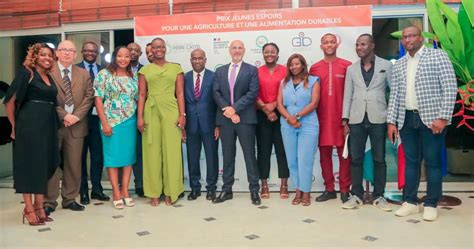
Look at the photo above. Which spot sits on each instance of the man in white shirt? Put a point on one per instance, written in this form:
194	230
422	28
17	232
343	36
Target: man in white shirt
422	99
93	140
74	104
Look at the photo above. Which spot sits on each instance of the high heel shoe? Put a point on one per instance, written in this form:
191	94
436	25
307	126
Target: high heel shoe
168	201
284	189
306	199
42	215
297	199
36	222
265	192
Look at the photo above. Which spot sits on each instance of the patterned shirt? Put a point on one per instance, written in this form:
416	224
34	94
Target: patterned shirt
119	95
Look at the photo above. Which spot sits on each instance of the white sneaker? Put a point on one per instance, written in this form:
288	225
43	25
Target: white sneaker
382	204
430	213
407	209
352	203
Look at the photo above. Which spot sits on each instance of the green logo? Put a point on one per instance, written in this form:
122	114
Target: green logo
260	41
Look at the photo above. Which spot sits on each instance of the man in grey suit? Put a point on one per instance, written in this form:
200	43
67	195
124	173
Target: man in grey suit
364	114
235	92
421	106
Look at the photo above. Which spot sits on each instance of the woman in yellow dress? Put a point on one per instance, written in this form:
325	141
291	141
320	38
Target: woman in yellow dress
161	118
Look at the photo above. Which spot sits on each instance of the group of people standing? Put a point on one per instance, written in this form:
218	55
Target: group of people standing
146	112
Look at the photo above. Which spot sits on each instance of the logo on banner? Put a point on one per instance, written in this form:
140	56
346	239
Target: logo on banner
301	41
181	47
258	63
260	41
219	44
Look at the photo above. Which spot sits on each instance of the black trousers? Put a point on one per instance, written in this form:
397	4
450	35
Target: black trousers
93	144
269	135
246	135
357	140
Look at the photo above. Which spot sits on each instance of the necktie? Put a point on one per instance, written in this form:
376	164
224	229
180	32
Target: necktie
91	72
232	82
67	87
197	87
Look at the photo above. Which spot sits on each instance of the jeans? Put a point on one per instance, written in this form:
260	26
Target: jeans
420	143
300	146
358	138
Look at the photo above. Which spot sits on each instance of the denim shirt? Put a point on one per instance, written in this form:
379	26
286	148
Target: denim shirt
295	99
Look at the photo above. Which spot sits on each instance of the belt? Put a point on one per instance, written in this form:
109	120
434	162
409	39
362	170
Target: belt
41	101
416	111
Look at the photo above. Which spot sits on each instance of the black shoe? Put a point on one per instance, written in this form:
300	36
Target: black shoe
326	196
99	196
181	195
193	195
139	192
48	210
74	206
255	198
223	196
85	199
211	195
345	196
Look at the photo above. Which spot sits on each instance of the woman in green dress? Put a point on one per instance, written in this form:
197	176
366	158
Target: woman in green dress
161	119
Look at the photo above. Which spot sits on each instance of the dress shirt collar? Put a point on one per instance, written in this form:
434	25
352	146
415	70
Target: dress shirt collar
417	54
61	68
201	74
239	64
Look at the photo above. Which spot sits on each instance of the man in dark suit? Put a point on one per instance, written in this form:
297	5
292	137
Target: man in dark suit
201	125
93	141
75	97
235	92
135	53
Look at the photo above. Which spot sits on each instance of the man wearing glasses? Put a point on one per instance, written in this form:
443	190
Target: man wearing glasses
74	100
93	141
421	104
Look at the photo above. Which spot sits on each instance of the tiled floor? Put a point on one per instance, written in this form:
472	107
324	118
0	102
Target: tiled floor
238	224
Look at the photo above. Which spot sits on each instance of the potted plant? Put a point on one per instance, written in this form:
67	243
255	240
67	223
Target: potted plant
455	34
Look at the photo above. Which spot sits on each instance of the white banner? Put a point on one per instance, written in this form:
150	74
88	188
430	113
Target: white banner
293	30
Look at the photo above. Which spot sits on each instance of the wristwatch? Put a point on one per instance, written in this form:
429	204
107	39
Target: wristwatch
297	115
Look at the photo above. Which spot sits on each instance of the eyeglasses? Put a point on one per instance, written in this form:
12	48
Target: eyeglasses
410	36
198	58
67	50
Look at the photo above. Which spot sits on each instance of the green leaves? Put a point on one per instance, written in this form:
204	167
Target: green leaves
448	33
468	36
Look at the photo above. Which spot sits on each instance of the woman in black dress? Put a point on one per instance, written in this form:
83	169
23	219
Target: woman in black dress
31	109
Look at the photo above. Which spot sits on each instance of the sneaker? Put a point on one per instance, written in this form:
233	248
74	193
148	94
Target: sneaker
407	209
430	213
382	204
352	203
